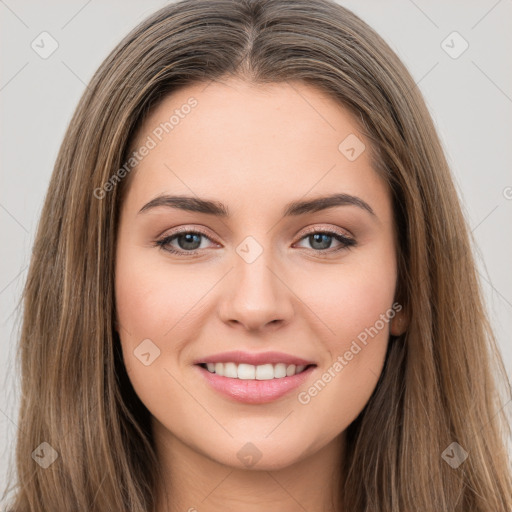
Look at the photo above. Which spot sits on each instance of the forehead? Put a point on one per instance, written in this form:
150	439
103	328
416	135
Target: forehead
235	140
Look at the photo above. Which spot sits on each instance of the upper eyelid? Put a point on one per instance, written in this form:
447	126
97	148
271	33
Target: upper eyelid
314	228
320	229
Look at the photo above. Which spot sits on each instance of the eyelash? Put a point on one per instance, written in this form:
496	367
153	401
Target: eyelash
346	242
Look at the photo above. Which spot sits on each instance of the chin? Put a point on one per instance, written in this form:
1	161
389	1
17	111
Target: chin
264	455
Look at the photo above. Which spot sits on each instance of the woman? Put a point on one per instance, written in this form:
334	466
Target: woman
252	285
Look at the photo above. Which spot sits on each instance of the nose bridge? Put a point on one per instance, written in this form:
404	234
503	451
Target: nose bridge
256	295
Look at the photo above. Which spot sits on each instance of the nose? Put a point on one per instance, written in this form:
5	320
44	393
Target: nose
255	296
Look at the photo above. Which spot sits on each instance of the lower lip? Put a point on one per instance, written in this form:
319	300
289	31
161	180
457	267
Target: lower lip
252	391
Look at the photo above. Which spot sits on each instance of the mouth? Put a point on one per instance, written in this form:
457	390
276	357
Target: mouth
272	376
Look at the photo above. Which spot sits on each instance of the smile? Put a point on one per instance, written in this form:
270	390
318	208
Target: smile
248	371
251	390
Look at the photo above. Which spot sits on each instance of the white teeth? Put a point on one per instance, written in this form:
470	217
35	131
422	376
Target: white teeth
264	372
279	371
249	372
230	370
246	371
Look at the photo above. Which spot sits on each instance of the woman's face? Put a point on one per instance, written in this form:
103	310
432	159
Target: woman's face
283	280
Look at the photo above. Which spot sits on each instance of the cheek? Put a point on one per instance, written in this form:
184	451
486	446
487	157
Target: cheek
142	314
149	302
357	353
361	302
138	302
350	298
152	296
159	302
356	306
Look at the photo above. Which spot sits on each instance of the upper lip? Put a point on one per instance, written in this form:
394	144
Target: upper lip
254	358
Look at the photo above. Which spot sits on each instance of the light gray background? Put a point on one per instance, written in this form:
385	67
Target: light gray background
470	99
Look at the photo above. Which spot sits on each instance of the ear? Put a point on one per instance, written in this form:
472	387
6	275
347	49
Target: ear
399	323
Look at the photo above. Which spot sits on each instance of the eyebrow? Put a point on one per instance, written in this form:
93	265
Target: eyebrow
195	204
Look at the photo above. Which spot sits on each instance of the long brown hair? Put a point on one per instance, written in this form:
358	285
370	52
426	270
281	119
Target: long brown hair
439	384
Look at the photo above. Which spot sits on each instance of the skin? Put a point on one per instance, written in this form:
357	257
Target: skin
254	148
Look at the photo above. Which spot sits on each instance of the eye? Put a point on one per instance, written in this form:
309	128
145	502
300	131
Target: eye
321	241
189	242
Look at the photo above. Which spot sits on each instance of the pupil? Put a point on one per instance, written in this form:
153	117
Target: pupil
321	238
190	238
